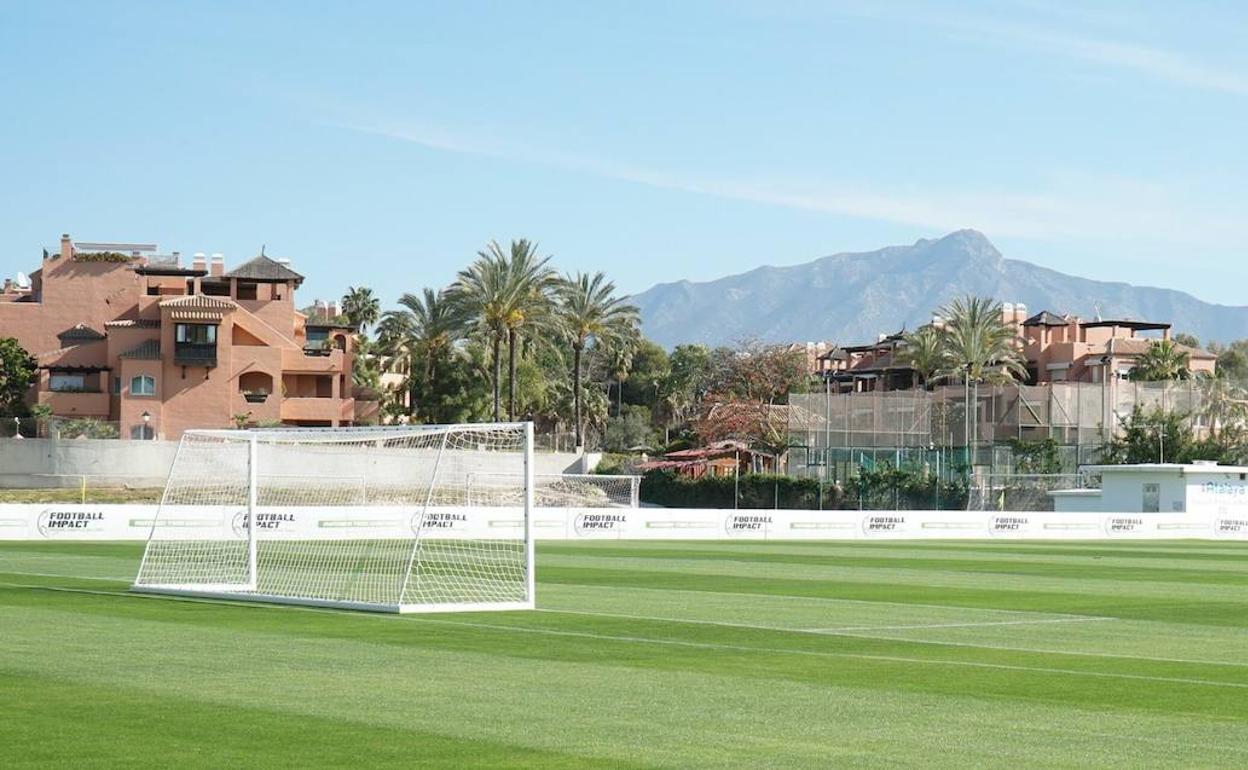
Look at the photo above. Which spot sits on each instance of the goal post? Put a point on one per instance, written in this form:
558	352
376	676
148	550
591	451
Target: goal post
381	519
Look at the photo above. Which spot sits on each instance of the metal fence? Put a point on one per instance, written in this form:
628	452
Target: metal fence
1080	417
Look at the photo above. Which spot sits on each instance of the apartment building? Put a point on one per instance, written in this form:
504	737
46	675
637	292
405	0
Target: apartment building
127	335
1057	348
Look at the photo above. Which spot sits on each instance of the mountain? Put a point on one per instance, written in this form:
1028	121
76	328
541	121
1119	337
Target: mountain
852	298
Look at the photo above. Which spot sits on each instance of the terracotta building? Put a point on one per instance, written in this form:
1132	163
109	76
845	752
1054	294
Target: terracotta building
126	335
1057	348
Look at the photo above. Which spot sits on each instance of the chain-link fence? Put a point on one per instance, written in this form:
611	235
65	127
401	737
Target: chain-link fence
1018	491
1079	417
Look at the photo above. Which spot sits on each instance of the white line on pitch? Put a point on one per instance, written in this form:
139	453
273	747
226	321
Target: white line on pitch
1010	648
70	577
791	629
1033	621
638	639
838	600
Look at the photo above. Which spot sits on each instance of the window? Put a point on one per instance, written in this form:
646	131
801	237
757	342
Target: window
142	385
1152	498
196	334
116	386
67	382
143	432
246	290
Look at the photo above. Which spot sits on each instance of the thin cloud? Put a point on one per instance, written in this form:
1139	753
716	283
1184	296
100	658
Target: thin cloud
1071	206
1156	63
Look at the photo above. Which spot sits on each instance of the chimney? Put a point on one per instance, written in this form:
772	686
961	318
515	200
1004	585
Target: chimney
284	262
67	246
1020	311
8	285
331	309
217	266
198	261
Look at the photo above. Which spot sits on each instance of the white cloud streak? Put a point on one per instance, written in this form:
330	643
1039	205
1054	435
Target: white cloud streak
1069	206
1156	63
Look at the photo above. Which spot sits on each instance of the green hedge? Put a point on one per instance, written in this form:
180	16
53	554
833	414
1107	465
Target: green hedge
756	490
880	488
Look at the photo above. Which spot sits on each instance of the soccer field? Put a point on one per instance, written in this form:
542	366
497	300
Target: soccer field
655	654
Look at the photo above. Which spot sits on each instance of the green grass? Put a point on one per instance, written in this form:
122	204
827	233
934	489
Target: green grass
657	654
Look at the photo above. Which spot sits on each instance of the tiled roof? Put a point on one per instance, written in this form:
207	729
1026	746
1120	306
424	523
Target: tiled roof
198	302
148	350
264	269
197	315
1045	318
132	323
80	333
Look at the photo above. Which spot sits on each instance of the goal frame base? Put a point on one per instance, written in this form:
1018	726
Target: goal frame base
244	594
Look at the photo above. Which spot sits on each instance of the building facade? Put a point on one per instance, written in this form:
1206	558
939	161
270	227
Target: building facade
125	335
1062	348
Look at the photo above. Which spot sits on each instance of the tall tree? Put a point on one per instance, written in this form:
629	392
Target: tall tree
1163	360
531	283
507	293
481	293
924	350
980	346
361	307
425	330
18	370
590	313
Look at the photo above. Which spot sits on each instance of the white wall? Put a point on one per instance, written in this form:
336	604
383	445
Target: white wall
39	463
134	522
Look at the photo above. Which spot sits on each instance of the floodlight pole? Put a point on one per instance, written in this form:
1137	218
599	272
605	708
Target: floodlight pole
253	575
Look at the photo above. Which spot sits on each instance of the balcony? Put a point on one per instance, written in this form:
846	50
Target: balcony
340	409
302	361
195	354
65	403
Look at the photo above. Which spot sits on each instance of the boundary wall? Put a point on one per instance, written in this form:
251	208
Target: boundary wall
134	522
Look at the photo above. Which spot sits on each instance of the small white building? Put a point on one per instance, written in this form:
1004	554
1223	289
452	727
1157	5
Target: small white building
1201	487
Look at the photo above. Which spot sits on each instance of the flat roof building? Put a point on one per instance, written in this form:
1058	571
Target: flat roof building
126	335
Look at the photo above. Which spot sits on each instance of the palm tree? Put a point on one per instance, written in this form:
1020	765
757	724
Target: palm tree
979	345
589	312
361	307
531	284
1223	403
1163	360
481	293
426	329
924	351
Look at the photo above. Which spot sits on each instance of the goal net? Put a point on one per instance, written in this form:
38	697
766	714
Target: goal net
395	519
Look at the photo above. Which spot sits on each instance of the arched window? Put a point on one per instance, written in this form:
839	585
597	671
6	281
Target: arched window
143	432
142	385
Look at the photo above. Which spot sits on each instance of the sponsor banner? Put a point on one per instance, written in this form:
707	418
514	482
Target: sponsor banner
135	522
601	523
1012	525
887	523
1226	526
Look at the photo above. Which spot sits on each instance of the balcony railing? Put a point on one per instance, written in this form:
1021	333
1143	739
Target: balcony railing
195	354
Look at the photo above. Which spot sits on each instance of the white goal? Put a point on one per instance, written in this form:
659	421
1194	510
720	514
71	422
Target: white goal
392	519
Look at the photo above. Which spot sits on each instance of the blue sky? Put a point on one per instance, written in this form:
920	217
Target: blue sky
384	143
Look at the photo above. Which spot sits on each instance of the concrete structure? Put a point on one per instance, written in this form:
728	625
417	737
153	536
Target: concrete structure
126	335
96	463
1202	488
